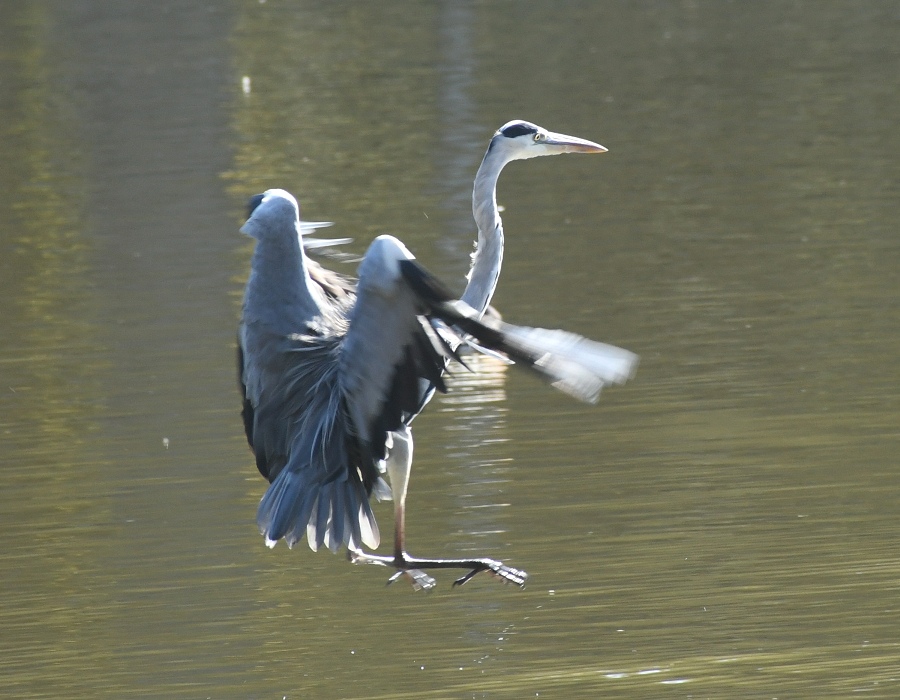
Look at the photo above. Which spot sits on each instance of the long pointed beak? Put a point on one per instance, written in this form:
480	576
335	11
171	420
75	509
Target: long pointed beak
573	144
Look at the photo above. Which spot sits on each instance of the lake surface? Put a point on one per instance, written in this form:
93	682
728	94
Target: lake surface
726	525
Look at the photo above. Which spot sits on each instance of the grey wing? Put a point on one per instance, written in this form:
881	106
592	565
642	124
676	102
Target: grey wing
340	399
391	355
575	365
336	286
306	446
248	412
266	362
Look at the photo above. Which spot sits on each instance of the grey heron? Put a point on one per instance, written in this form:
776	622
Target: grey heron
333	376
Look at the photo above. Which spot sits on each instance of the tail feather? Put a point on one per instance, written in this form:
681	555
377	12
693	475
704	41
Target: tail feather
332	514
297	526
338	521
317	533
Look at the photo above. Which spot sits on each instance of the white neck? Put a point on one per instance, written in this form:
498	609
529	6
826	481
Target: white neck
488	256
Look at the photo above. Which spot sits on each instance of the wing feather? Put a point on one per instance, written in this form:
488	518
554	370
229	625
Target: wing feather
569	362
321	405
332	399
387	354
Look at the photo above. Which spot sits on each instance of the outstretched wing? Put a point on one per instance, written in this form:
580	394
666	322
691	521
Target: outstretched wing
341	399
334	406
571	363
391	355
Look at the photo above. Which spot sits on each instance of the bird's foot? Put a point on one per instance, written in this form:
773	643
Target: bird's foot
506	574
358	556
497	569
418	579
412	568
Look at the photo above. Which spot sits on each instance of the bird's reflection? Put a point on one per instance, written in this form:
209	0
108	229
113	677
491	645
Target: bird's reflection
475	419
475	424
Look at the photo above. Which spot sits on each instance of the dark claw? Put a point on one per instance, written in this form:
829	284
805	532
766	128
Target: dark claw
507	574
411	567
462	579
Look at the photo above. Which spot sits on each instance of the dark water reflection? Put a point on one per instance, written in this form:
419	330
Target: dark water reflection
724	526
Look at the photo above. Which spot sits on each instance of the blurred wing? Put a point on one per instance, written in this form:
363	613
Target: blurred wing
569	362
307	227
312	244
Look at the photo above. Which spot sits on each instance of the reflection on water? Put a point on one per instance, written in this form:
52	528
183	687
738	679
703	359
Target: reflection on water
473	417
476	477
723	526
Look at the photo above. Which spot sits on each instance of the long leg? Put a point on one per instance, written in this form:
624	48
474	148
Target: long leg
399	464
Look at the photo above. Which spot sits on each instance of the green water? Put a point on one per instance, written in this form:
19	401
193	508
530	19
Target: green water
724	526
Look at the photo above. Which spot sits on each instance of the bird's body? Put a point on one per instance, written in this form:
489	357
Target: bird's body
331	380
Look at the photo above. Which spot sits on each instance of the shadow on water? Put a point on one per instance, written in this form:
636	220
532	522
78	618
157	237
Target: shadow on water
723	526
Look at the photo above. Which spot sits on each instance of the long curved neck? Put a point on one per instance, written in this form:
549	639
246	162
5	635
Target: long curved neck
279	290
488	256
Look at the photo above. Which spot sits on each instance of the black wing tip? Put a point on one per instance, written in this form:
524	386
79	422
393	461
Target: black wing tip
423	283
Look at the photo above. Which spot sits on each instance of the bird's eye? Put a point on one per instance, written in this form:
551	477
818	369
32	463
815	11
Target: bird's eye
540	137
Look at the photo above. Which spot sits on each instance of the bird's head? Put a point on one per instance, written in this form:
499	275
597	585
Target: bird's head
518	140
271	211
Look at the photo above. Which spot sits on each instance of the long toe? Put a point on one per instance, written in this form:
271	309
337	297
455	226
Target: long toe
507	574
358	556
418	579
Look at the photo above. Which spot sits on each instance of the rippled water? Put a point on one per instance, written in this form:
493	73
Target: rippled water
724	526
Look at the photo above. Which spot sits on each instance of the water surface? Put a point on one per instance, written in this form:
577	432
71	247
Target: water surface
726	525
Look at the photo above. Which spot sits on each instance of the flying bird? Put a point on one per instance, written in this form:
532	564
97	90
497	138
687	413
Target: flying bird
333	374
